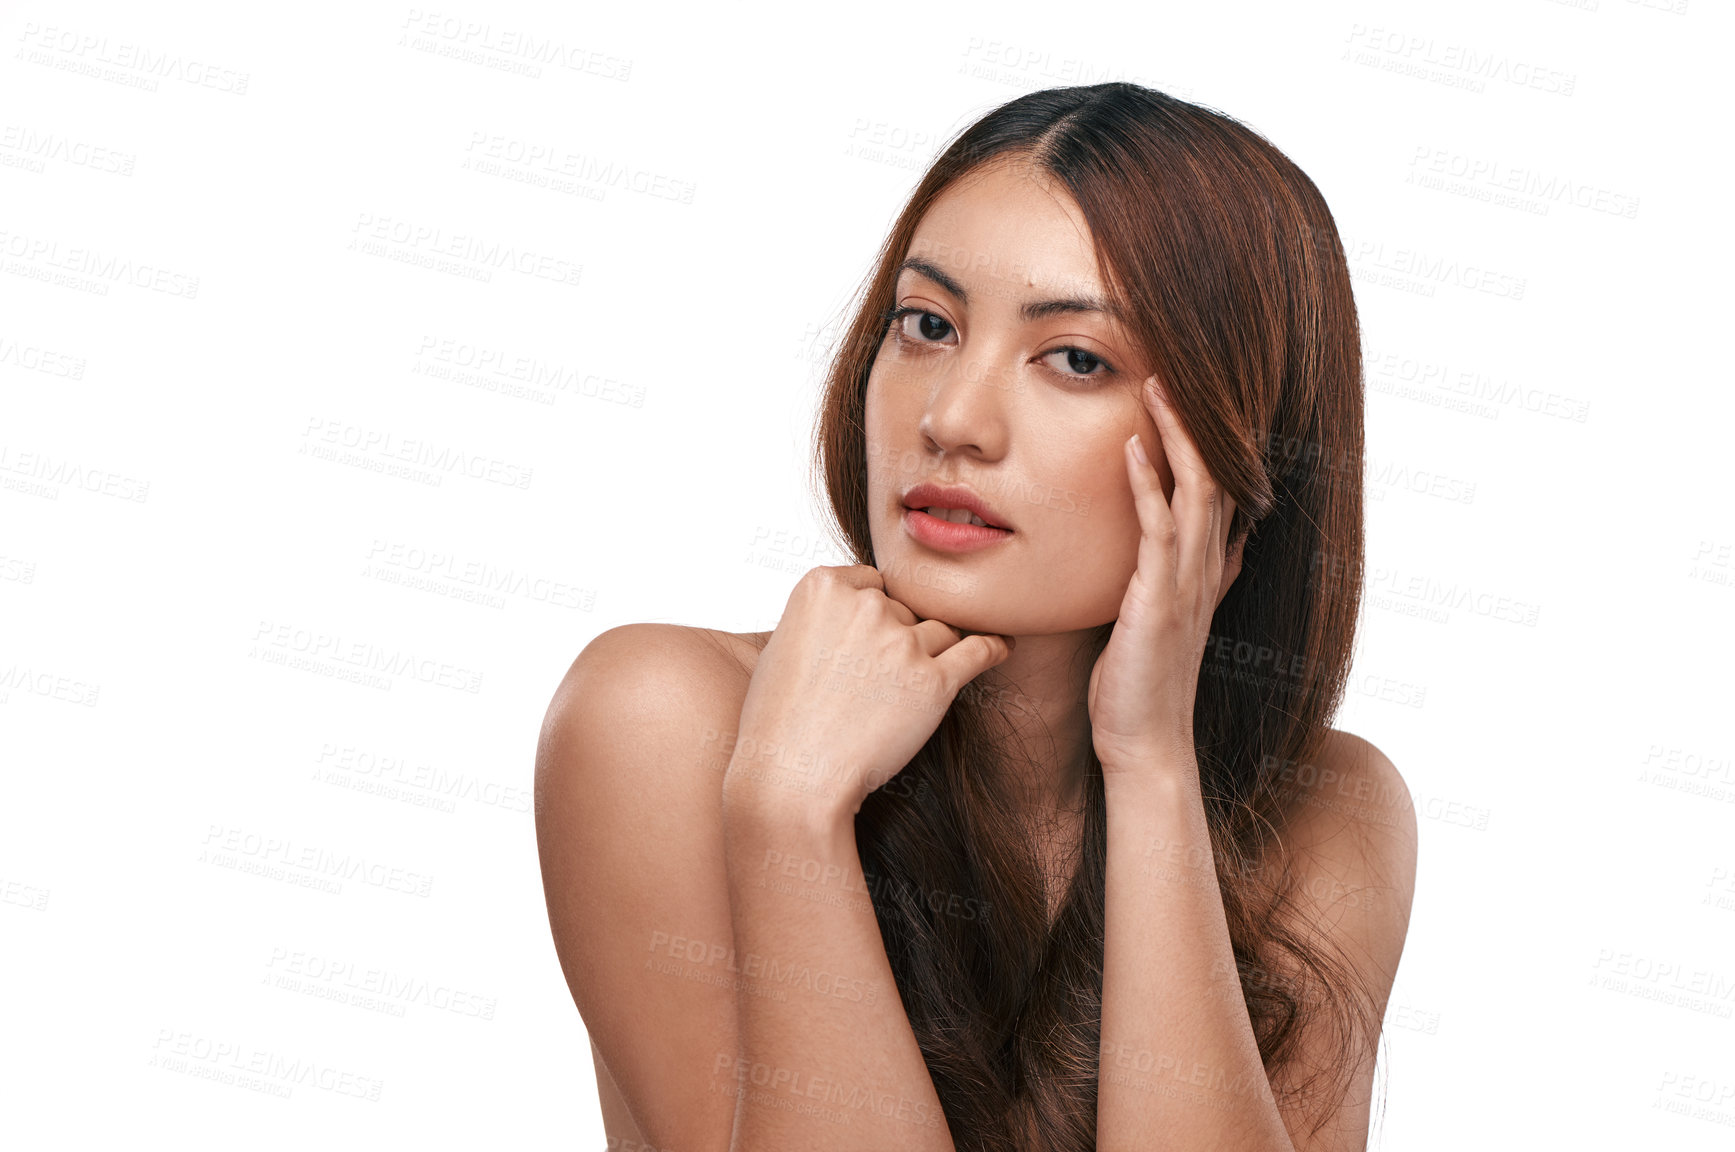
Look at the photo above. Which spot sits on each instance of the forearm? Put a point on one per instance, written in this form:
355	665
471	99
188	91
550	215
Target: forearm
827	1057
1178	1051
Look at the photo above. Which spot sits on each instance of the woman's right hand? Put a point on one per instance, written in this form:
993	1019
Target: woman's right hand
846	691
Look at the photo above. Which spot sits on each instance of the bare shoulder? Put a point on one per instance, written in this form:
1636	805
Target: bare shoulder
636	676
1352	836
654	658
1350	842
629	774
1349	845
633	686
1356	786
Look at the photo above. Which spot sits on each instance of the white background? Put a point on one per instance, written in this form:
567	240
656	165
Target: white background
1535	201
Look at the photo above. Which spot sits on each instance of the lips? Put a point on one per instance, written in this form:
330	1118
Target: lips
926	496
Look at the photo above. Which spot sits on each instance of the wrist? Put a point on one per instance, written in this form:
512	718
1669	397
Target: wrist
752	798
1150	755
1143	769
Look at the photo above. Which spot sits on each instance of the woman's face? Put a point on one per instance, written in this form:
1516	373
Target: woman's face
1004	373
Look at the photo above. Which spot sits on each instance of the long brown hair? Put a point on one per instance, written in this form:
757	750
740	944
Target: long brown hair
1223	255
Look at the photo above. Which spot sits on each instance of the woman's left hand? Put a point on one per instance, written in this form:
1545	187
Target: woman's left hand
1143	685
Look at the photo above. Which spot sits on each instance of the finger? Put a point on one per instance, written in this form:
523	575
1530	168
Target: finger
970	657
1158	533
1195	490
902	612
936	636
1183	455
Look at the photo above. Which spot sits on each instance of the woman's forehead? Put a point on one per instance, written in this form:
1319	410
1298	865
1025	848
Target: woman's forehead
1009	231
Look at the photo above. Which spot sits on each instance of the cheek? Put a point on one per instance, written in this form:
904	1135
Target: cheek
891	460
882	447
1096	544
891	413
881	399
874	429
1116	533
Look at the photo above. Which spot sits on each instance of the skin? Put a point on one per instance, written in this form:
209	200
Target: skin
983	396
970	391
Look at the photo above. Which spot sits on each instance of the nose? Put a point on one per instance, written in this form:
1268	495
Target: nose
967	412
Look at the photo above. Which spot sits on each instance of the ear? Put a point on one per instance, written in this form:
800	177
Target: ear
1231	565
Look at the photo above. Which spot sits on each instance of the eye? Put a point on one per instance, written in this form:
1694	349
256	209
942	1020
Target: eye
1077	362
926	329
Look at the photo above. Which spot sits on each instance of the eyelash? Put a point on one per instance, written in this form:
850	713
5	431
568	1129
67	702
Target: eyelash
893	315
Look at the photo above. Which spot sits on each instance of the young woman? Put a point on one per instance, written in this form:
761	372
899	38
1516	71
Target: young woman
1028	830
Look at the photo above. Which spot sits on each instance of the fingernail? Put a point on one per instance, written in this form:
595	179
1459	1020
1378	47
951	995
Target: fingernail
1139	450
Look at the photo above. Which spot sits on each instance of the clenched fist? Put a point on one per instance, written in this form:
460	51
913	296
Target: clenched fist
845	693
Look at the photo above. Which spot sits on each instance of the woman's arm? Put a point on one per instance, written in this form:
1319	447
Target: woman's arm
629	774
847	690
828	1059
1178	1052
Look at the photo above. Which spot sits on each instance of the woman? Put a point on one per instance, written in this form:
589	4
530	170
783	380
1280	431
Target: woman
1028	830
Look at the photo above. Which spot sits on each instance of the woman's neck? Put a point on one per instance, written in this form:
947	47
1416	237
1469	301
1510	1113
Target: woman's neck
1040	692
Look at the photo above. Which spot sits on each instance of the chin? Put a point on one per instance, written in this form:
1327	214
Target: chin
935	590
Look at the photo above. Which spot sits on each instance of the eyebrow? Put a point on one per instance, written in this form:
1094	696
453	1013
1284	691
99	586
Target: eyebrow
1032	309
